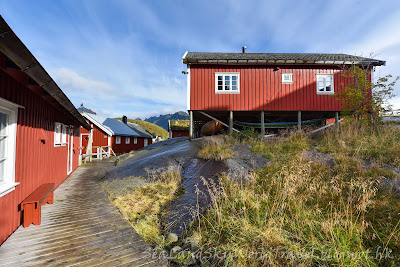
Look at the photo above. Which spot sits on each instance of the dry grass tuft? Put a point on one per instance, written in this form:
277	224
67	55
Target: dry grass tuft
295	212
215	148
144	207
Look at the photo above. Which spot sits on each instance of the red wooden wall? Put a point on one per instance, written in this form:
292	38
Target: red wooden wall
36	162
100	138
177	133
125	148
261	88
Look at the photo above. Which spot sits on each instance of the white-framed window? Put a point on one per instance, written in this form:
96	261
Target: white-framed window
127	140
227	82
57	133
145	142
325	84
8	135
135	140
64	135
287	78
118	139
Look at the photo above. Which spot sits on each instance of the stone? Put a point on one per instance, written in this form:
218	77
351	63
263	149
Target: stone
172	237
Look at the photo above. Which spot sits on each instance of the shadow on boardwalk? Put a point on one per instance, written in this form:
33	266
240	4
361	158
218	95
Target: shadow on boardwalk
81	228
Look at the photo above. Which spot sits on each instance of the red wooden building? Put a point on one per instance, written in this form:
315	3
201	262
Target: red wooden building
178	128
111	135
39	129
266	87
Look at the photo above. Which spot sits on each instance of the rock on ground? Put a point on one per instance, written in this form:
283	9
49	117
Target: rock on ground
243	162
318	157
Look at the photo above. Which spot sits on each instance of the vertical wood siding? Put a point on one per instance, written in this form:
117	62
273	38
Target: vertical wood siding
261	88
177	133
36	162
125	148
98	137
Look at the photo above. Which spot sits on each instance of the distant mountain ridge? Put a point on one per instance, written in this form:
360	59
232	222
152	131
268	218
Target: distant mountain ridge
162	120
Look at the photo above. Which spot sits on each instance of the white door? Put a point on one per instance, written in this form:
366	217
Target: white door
70	147
145	142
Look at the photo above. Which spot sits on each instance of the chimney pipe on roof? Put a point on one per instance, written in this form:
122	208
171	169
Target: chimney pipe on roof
125	119
244	49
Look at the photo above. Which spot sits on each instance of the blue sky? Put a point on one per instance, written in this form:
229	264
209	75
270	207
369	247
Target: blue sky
124	57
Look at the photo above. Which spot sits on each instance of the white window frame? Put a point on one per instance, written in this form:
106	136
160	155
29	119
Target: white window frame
230	74
145	142
118	140
135	140
57	135
64	134
318	75
290	81
127	140
11	109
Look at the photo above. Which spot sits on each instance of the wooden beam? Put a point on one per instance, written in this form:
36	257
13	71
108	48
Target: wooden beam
224	124
190	126
262	123
299	120
337	120
230	122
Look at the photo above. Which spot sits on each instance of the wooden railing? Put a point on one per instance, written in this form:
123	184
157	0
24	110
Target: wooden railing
97	152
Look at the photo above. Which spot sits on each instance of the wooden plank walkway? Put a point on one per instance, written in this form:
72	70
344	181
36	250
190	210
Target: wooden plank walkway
81	228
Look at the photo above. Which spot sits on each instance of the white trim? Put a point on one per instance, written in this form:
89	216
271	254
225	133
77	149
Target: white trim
11	109
98	124
127	140
145	142
57	142
291	78
117	140
135	140
7	102
184	55
237	74
332	92
188	87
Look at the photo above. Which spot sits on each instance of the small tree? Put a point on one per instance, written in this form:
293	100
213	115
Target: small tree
363	99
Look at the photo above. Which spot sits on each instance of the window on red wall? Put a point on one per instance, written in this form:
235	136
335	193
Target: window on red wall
118	140
135	140
127	140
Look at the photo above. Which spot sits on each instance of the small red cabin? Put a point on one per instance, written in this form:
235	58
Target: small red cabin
110	135
39	130
178	128
277	87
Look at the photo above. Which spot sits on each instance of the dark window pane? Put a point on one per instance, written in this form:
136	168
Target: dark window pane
220	87
219	78
234	78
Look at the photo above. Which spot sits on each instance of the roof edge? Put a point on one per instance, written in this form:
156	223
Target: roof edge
97	123
15	50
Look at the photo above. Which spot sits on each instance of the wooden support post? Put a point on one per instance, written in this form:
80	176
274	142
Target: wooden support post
299	120
262	124
213	118
191	126
230	122
337	120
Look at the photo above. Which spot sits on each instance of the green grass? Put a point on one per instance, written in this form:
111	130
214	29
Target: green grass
145	206
216	148
296	212
179	124
151	128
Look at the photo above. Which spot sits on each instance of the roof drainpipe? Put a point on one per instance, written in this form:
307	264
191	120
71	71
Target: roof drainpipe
244	49
125	119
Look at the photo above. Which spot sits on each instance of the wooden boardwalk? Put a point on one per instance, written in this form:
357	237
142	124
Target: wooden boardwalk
81	228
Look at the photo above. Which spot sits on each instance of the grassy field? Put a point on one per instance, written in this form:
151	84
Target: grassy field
151	128
296	212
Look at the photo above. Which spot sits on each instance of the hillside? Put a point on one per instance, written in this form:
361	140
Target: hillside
151	128
162	120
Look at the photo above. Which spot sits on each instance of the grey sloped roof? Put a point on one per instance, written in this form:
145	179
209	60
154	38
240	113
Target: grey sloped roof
86	110
140	130
98	120
277	58
119	128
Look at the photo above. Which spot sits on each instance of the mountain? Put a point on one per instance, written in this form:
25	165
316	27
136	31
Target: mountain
162	120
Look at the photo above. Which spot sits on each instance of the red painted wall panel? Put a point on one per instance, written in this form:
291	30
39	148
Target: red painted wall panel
125	148
176	133
36	162
261	88
100	138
